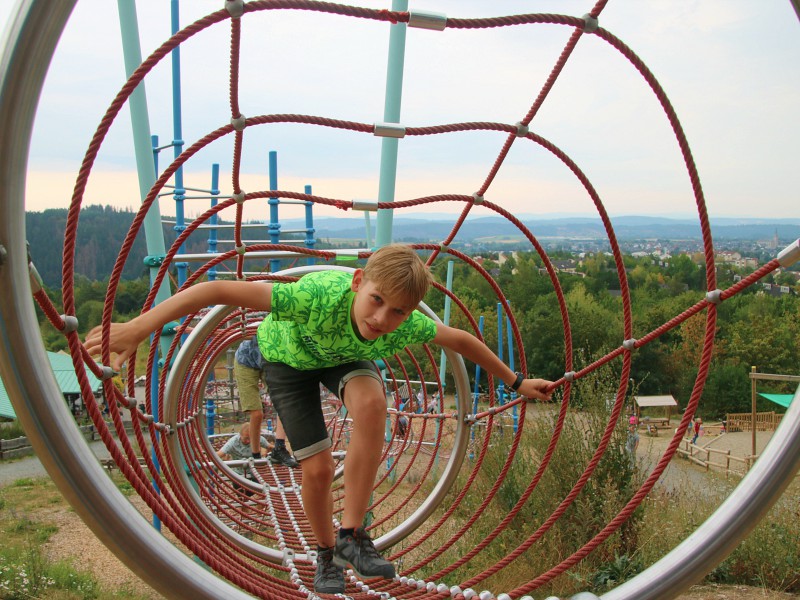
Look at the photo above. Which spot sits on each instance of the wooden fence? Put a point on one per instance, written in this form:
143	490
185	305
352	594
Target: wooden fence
765	421
711	457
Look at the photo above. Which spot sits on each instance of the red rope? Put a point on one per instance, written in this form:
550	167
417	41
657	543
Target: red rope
159	482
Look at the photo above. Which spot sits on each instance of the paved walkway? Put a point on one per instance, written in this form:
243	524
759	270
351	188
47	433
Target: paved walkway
31	467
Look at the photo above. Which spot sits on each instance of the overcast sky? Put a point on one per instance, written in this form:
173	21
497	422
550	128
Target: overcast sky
729	68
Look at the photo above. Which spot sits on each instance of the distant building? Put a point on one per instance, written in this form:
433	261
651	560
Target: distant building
67	381
776	290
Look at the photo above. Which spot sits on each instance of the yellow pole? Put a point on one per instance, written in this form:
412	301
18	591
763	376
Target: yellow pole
753	404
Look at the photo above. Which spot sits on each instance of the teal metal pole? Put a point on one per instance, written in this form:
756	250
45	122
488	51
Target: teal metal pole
391	114
140	122
446	320
145	165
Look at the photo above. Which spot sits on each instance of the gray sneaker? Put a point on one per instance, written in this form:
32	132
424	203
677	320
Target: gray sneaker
358	552
329	578
281	456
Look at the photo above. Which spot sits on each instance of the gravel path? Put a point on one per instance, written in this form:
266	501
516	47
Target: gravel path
30	466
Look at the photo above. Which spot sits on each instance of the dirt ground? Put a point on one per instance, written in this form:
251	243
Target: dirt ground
72	533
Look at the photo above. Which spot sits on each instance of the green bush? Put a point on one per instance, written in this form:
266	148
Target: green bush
11	430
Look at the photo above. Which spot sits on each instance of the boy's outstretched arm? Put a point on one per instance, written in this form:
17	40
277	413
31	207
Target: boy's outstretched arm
124	338
473	349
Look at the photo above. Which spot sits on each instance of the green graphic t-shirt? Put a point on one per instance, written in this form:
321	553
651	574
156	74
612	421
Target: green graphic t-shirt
310	325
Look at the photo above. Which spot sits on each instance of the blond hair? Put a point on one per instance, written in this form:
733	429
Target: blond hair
245	427
399	271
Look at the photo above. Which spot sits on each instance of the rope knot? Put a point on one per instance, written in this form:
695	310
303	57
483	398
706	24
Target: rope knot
388	15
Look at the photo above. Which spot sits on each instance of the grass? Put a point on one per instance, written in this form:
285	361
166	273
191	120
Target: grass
11	430
25	571
769	558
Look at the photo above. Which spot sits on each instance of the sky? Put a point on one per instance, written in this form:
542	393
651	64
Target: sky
728	67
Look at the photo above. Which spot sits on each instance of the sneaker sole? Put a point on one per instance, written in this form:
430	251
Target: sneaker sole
340	562
337	591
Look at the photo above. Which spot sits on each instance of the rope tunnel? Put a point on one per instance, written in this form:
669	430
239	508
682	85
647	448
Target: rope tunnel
448	460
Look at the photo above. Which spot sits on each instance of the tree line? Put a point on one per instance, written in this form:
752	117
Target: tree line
753	328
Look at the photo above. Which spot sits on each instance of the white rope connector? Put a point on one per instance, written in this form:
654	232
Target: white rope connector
714	297
425	19
288	556
630	344
241	250
366	205
390	130
239	198
239	123
477	199
790	255
70	324
569	375
132	402
108	372
590	23
235	8
522	130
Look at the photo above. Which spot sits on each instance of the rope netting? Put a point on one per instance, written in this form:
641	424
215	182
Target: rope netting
249	527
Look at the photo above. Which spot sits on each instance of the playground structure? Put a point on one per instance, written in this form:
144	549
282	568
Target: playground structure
198	501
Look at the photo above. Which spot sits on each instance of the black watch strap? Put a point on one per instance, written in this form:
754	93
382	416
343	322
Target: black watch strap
517	382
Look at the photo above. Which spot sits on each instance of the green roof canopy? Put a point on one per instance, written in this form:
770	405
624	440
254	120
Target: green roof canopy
65	376
783	399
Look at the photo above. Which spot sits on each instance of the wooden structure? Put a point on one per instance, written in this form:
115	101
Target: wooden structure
764	421
641	402
754	377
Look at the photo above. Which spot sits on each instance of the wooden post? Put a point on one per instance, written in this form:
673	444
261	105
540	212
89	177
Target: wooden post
753	408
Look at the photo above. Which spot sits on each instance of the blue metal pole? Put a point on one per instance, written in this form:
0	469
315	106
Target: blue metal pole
310	241
476	391
500	388
274	224
212	233
510	336
211	408
179	193
391	114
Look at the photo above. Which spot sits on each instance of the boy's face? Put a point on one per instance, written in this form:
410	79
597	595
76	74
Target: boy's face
244	436
376	313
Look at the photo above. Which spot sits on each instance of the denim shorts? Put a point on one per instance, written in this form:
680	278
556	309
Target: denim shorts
295	395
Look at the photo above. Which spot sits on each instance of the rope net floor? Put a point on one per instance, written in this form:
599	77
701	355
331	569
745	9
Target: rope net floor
252	530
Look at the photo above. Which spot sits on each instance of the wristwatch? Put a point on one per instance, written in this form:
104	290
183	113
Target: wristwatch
517	382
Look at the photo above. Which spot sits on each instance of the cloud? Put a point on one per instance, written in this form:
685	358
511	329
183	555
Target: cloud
725	68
